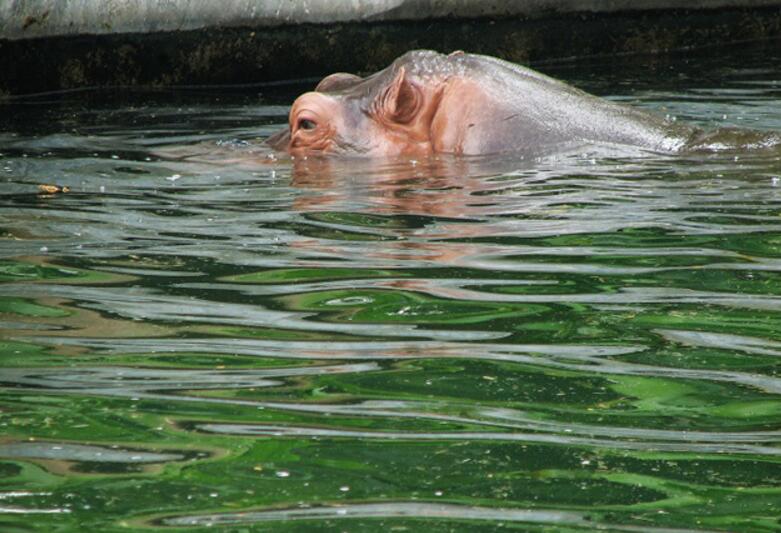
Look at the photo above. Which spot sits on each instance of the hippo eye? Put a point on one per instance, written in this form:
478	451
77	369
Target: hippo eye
306	124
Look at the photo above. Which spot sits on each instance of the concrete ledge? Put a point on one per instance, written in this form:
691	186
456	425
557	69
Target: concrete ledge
61	44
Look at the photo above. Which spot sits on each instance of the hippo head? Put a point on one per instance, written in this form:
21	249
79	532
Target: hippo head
463	104
390	113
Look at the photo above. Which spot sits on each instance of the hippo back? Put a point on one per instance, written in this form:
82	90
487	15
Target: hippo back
526	111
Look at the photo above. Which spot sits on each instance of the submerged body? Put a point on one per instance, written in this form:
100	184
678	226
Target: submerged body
428	103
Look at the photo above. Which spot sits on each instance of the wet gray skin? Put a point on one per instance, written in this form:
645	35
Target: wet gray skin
513	110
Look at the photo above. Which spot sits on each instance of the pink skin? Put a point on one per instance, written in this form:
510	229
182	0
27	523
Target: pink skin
318	125
405	118
427	103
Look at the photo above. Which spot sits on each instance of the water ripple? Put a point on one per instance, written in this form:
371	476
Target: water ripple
440	511
259	430
724	341
82	452
591	359
124	381
585	340
149	305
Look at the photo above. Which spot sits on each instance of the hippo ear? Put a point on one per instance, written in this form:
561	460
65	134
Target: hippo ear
337	82
402	100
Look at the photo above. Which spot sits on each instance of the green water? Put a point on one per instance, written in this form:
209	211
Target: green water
196	337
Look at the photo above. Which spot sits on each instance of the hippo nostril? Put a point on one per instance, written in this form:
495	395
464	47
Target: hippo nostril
306	124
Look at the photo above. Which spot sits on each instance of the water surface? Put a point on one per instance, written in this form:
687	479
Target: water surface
196	336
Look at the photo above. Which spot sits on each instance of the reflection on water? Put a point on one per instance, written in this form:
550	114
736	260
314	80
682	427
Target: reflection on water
440	512
201	334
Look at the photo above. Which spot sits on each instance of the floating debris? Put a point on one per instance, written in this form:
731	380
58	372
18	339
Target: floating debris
52	189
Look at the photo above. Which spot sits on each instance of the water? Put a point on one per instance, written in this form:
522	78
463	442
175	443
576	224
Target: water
196	336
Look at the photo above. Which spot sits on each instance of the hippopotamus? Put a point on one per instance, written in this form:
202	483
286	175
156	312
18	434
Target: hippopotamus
427	103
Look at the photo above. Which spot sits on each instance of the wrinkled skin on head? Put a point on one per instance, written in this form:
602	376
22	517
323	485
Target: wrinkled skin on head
428	103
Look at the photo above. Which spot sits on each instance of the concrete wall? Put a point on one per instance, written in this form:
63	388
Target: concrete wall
61	44
20	19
